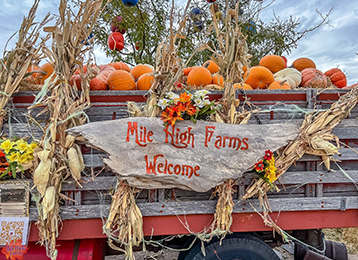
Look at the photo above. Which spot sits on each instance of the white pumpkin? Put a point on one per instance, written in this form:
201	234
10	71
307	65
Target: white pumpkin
290	75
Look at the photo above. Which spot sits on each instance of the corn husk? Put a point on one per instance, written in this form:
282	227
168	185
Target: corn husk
48	201
75	162
42	172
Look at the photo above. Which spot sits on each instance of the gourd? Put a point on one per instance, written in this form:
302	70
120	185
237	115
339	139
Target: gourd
292	76
303	63
145	81
279	85
139	70
243	86
337	77
120	66
121	80
199	76
211	66
313	78
274	63
258	77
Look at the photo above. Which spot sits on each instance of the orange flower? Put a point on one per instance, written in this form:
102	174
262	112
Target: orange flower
259	166
190	109
185	98
172	114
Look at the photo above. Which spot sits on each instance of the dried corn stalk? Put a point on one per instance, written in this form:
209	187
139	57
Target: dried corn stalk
313	139
231	56
124	224
60	157
15	63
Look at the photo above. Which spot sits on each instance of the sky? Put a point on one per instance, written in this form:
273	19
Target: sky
330	46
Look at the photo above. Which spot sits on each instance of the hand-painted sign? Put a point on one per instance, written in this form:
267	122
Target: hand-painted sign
188	156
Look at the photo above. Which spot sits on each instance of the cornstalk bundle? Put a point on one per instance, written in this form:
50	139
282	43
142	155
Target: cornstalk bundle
60	157
15	63
124	224
314	138
231	56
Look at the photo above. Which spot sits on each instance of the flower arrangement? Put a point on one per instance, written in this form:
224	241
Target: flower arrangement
266	168
17	154
186	106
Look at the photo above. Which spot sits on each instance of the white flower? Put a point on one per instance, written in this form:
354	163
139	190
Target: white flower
172	95
163	103
199	102
206	102
201	93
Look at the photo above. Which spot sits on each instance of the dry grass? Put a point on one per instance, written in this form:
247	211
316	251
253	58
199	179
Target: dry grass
348	236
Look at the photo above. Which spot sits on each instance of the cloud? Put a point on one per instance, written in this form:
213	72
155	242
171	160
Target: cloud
329	46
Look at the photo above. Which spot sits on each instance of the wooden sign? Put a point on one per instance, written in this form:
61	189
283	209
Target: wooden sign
188	156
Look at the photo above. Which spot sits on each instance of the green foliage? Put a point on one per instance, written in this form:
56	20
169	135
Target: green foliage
148	25
144	23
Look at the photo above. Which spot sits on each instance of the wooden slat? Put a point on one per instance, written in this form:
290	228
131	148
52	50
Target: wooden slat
208	207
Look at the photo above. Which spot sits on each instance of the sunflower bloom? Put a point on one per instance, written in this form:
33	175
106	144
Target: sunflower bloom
6	146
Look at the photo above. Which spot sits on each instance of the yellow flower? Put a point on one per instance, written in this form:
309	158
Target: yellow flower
23	158
6	146
33	145
13	157
21	145
30	156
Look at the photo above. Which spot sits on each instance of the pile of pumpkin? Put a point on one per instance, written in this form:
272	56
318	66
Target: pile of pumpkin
271	73
112	76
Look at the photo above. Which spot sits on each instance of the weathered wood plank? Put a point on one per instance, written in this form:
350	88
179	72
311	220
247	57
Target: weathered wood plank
208	207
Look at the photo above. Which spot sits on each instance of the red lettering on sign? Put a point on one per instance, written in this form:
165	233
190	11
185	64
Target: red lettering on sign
159	166
142	137
209	131
177	138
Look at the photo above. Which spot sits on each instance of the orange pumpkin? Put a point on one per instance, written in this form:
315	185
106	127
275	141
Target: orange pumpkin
279	85
211	66
187	70
98	84
274	63
139	70
46	71
303	63
145	81
76	81
105	72
199	76
218	80
31	77
337	77
258	77
313	78
78	70
120	66
243	86
121	80
244	69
